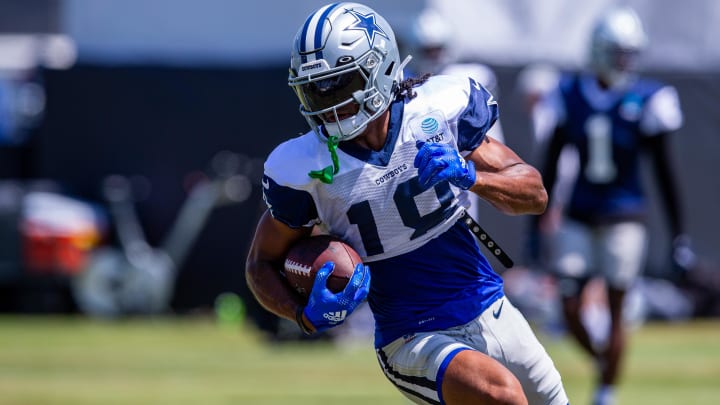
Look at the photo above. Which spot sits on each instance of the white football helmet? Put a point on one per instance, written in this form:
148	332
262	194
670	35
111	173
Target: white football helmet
344	53
617	39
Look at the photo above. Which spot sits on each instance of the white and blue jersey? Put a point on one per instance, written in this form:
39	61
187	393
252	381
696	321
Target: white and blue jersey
607	127
427	269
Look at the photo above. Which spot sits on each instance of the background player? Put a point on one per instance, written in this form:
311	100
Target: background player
429	42
396	190
609	115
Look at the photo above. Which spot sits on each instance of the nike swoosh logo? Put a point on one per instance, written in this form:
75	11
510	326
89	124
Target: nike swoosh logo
496	313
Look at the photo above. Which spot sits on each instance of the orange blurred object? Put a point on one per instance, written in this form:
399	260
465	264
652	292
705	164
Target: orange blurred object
58	234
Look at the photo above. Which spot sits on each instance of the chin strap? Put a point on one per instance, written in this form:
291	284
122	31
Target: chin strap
326	175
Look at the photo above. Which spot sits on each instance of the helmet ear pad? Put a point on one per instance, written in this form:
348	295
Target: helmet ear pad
374	103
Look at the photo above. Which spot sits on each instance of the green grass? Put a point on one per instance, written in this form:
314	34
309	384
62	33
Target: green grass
73	360
666	363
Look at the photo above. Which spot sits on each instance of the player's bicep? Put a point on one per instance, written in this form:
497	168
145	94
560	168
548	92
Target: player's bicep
289	217
273	239
264	262
493	156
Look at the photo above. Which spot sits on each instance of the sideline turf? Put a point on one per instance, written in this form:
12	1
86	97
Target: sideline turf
192	360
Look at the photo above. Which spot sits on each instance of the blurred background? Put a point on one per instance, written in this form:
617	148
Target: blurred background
132	136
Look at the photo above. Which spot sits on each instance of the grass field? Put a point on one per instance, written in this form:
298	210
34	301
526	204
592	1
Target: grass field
73	360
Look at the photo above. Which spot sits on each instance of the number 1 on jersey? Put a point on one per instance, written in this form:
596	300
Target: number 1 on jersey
600	166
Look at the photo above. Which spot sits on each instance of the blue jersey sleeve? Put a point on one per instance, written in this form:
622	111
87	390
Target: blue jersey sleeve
479	115
294	208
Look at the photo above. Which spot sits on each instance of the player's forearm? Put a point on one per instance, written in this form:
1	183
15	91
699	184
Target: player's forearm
515	190
268	287
264	264
549	164
666	182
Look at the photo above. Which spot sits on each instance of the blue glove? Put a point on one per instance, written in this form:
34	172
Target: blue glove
438	162
326	309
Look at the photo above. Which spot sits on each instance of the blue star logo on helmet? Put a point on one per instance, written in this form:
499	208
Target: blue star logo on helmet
366	23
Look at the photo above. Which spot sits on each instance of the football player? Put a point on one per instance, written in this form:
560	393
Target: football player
610	116
400	157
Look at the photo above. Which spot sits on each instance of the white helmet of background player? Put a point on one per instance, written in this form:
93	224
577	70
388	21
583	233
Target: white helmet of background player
344	53
617	39
428	41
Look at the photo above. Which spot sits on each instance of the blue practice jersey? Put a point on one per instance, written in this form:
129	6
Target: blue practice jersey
427	269
607	128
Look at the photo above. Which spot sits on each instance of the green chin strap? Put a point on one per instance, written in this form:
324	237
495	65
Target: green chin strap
326	175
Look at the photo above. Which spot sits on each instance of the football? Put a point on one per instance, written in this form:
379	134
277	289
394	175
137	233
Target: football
309	254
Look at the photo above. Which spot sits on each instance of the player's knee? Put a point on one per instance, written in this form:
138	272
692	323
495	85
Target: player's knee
485	382
508	392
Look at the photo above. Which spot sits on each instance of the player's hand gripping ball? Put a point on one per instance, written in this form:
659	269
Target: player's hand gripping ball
308	255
